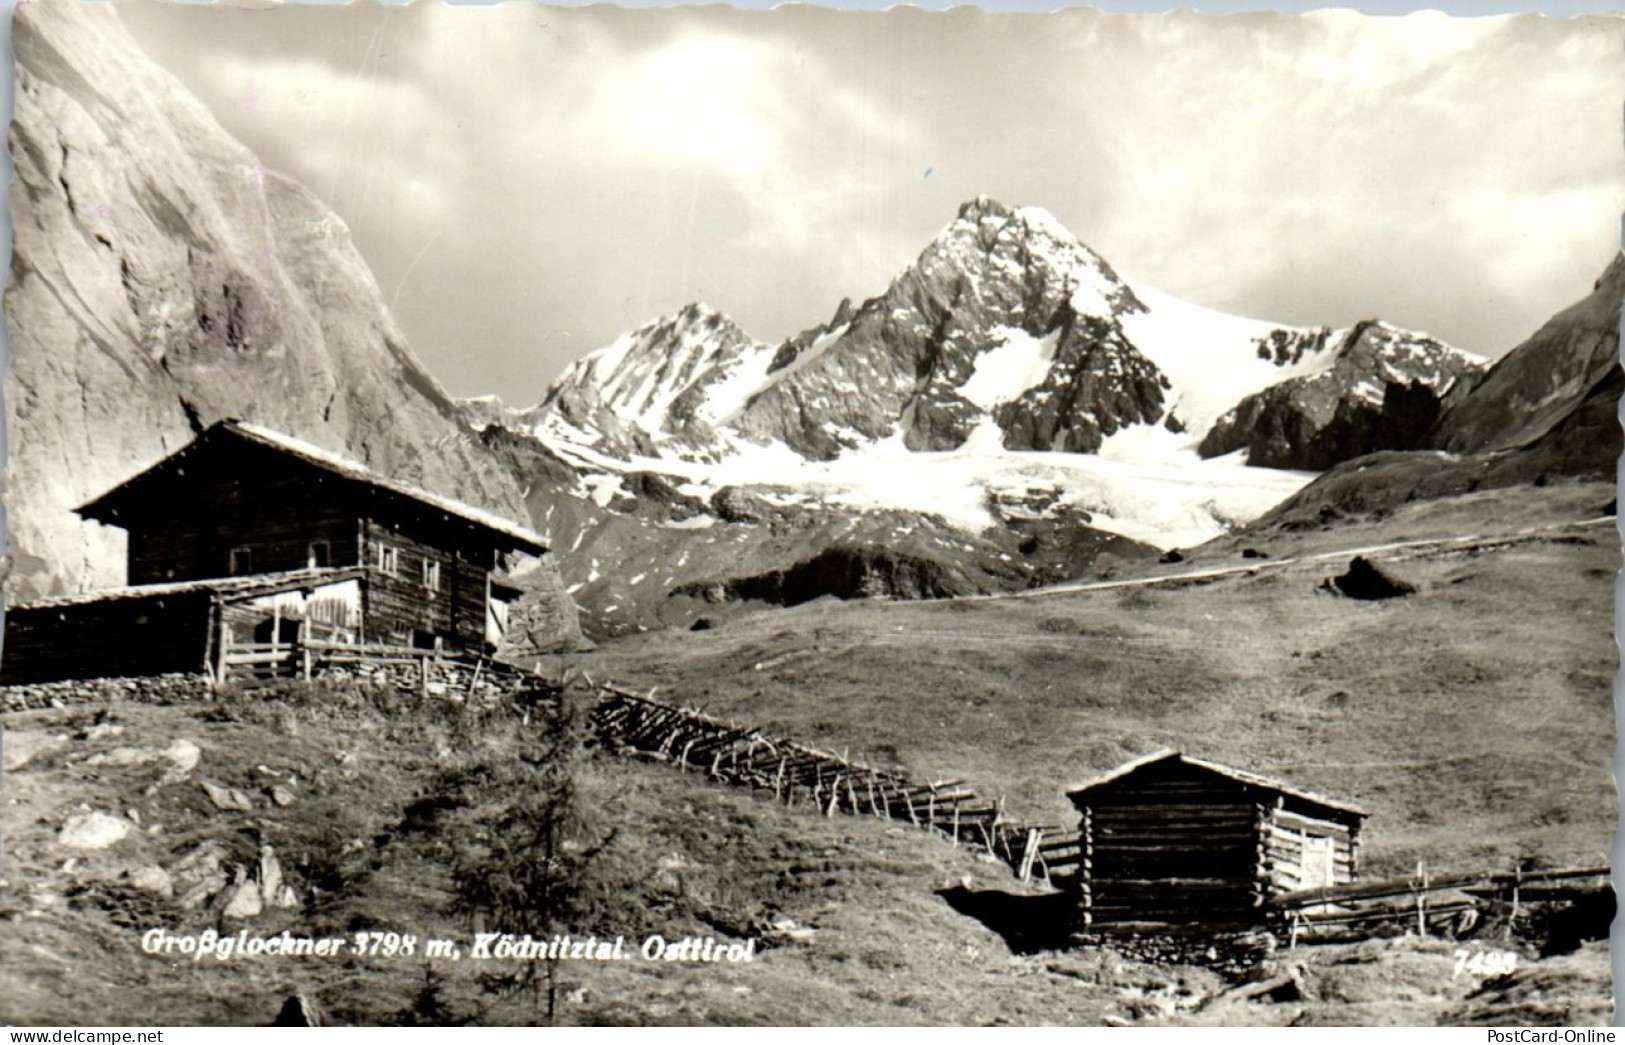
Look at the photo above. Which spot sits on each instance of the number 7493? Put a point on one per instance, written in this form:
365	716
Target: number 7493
1484	964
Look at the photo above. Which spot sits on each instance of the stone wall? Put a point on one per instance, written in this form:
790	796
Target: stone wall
157	689
447	680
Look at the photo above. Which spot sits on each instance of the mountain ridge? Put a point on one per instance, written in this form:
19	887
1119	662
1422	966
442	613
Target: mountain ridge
998	288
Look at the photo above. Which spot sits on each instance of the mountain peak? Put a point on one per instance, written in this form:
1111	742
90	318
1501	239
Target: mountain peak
698	310
695	313
983	206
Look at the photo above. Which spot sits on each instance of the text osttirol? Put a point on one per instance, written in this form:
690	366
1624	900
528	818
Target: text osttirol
698	949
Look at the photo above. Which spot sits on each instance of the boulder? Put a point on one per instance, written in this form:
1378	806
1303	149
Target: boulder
153	879
18	747
298	1011
197	876
92	831
227	799
270	876
202	891
244	900
1366	580
121	757
183	756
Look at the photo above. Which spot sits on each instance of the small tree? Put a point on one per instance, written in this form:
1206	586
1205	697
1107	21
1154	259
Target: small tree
530	867
430	1007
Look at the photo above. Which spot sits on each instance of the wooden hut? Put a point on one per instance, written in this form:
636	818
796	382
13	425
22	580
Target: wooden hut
1171	839
246	535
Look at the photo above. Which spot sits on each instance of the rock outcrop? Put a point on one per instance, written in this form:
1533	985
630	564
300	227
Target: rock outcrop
909	361
1370	582
669	379
1547	389
1548	410
1385	390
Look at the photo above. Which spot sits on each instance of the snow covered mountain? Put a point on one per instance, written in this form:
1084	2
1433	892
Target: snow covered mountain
1010	379
1005	322
1374	387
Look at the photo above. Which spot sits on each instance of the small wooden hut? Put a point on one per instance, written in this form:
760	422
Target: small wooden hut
1171	839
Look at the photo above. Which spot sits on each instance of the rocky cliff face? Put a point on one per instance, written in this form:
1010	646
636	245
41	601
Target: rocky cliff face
662	386
1540	385
1009	330
1546	412
1383	390
1005	314
162	279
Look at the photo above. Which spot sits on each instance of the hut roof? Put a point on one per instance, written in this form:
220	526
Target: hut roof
229	588
1241	776
104	508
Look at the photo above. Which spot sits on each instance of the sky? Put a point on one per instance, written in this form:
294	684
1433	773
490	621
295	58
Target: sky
529	182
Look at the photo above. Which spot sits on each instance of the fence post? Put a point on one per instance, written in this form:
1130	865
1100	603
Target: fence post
1517	882
222	653
1421	901
1034	837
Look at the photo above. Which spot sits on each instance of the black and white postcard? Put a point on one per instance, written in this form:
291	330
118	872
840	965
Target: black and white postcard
557	516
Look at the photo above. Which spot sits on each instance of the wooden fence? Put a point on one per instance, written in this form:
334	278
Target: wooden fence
799	775
1426	902
259	663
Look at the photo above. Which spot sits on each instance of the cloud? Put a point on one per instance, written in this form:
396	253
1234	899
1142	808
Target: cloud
746	116
524	170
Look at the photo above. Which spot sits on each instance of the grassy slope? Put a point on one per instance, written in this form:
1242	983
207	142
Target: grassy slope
689	857
1474	719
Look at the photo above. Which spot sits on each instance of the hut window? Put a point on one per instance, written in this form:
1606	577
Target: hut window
431	574
320	555
242	561
387	559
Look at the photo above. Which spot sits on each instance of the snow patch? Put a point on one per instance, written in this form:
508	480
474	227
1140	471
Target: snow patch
604	487
1015	364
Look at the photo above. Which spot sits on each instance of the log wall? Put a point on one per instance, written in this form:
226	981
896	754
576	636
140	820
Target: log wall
267	505
107	638
1285	834
1175	843
1170	845
399	604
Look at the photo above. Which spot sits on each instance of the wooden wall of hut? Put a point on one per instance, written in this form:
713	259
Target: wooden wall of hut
1289	845
271	506
399	604
107	638
1172	845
